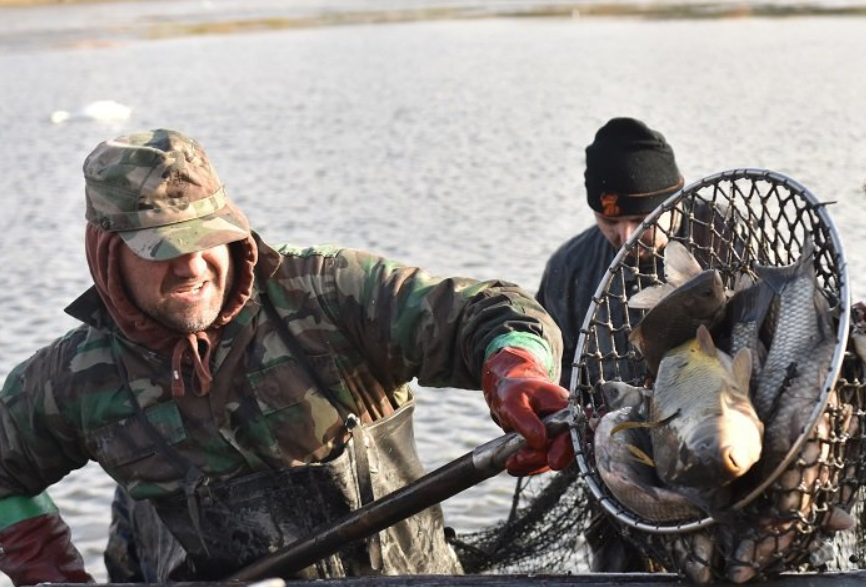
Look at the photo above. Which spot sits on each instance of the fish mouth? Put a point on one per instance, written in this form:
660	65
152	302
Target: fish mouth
710	464
726	447
736	460
707	471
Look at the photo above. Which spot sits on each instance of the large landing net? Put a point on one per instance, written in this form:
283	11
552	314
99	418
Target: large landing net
731	222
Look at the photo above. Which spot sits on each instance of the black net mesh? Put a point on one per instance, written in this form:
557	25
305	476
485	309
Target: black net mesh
787	520
544	532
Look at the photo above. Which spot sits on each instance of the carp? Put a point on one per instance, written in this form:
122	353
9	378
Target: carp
623	462
692	297
705	431
799	357
801	347
694	554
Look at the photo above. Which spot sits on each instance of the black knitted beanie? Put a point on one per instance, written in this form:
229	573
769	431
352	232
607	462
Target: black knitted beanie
630	169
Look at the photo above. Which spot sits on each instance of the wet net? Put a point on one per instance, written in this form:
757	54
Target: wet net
794	518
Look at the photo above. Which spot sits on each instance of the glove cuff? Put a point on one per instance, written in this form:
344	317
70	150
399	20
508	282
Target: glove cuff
39	550
510	362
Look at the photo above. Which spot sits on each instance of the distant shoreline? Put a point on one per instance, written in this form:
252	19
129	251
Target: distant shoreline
371	13
25	3
640	8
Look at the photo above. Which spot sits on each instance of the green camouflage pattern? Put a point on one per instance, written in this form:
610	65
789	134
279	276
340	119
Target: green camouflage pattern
368	326
159	190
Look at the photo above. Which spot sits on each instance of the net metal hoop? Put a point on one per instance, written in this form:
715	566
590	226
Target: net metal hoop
766	221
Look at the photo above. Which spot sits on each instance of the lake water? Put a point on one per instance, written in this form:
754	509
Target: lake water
453	145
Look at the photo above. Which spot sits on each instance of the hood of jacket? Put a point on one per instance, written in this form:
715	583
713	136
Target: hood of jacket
187	350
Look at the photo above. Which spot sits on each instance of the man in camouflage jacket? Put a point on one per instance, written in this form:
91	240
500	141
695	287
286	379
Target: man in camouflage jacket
213	374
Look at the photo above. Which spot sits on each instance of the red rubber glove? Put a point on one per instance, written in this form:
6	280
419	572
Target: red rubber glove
519	393
39	550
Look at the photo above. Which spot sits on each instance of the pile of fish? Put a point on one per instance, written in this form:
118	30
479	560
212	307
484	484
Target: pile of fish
735	376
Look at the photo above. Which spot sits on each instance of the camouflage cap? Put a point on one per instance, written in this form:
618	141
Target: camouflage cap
158	190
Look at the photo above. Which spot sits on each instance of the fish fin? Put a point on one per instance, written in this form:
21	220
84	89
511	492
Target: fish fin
637	424
808	249
777	277
742	368
705	341
640	455
649	297
750	304
858	340
636	338
629	425
680	264
742	282
837	520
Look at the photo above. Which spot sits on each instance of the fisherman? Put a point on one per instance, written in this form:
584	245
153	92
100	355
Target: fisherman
245	394
630	170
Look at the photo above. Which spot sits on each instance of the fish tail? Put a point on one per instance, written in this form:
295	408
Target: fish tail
778	278
751	305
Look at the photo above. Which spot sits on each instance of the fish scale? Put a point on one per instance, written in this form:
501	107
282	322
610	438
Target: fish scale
798	350
746	313
798	361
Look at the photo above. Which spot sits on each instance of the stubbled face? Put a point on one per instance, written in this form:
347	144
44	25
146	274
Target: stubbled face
619	229
185	293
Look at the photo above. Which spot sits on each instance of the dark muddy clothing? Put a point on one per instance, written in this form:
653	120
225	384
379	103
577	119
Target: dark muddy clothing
570	279
242	519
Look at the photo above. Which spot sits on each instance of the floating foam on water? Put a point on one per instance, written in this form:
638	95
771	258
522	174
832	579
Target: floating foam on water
100	110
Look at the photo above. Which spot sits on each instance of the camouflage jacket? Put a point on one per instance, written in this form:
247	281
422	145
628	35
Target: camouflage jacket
367	327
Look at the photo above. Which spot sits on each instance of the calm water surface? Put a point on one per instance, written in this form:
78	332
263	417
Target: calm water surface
457	146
